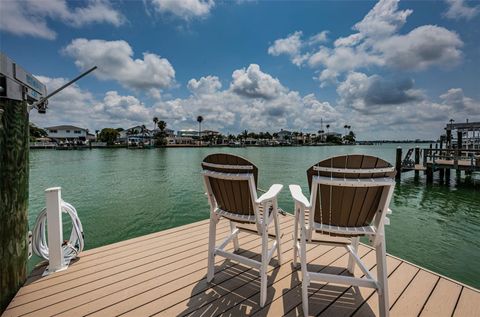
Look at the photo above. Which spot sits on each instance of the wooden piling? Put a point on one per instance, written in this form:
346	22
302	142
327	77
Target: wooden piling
398	163
429	174
417	159
14	148
459	143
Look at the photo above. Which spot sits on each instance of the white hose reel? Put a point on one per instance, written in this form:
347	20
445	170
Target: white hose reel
70	248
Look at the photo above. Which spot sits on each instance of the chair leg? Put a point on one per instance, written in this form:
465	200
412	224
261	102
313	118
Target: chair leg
305	277
295	239
211	247
279	242
263	268
382	279
236	245
351	259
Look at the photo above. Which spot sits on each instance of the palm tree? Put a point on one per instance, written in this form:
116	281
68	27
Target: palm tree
199	120
328	127
143	130
245	134
345	127
155	121
96	135
162	125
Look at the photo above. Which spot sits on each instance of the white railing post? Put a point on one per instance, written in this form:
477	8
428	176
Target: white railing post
55	229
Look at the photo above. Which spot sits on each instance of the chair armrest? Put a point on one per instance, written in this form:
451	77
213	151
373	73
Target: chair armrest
270	194
296	192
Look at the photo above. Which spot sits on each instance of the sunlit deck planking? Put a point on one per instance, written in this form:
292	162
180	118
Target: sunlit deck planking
164	274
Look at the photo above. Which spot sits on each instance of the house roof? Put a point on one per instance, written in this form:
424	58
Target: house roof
65	127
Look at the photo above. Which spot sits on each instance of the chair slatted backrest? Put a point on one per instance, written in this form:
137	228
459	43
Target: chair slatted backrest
231	195
348	206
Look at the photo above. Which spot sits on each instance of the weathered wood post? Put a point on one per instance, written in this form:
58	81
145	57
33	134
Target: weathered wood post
459	143
398	163
431	168
14	148
442	174
18	89
417	160
425	154
429	174
449	139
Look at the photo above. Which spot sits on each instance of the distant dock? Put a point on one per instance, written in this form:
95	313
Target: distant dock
460	154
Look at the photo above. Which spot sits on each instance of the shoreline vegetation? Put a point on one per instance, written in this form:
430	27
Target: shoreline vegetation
140	137
123	146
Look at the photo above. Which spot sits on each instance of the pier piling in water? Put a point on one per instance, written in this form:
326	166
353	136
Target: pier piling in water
417	160
398	163
442	174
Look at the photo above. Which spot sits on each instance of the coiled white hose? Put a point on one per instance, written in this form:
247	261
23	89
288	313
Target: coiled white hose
71	248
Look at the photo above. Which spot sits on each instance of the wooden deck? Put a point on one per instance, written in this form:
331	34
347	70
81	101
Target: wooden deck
461	164
164	273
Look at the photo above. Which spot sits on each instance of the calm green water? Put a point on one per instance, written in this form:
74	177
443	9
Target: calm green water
121	194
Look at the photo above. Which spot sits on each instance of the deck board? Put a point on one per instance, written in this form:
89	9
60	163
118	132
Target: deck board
164	273
443	299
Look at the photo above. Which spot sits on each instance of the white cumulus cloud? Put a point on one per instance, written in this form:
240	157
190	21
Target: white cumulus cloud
184	9
422	47
289	45
455	97
29	17
115	62
458	9
383	20
377	42
205	85
252	82
293	44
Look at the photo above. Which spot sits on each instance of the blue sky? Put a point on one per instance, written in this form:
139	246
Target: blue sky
389	69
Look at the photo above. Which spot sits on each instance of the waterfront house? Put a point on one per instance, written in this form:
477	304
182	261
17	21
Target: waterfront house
190	133
68	134
325	135
169	133
284	135
210	133
135	135
250	141
180	140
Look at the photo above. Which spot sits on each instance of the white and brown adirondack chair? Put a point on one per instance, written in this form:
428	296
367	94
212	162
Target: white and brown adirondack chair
231	185
349	199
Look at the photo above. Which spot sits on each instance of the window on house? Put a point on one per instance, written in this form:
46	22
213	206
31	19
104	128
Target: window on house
77	131
68	131
53	131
